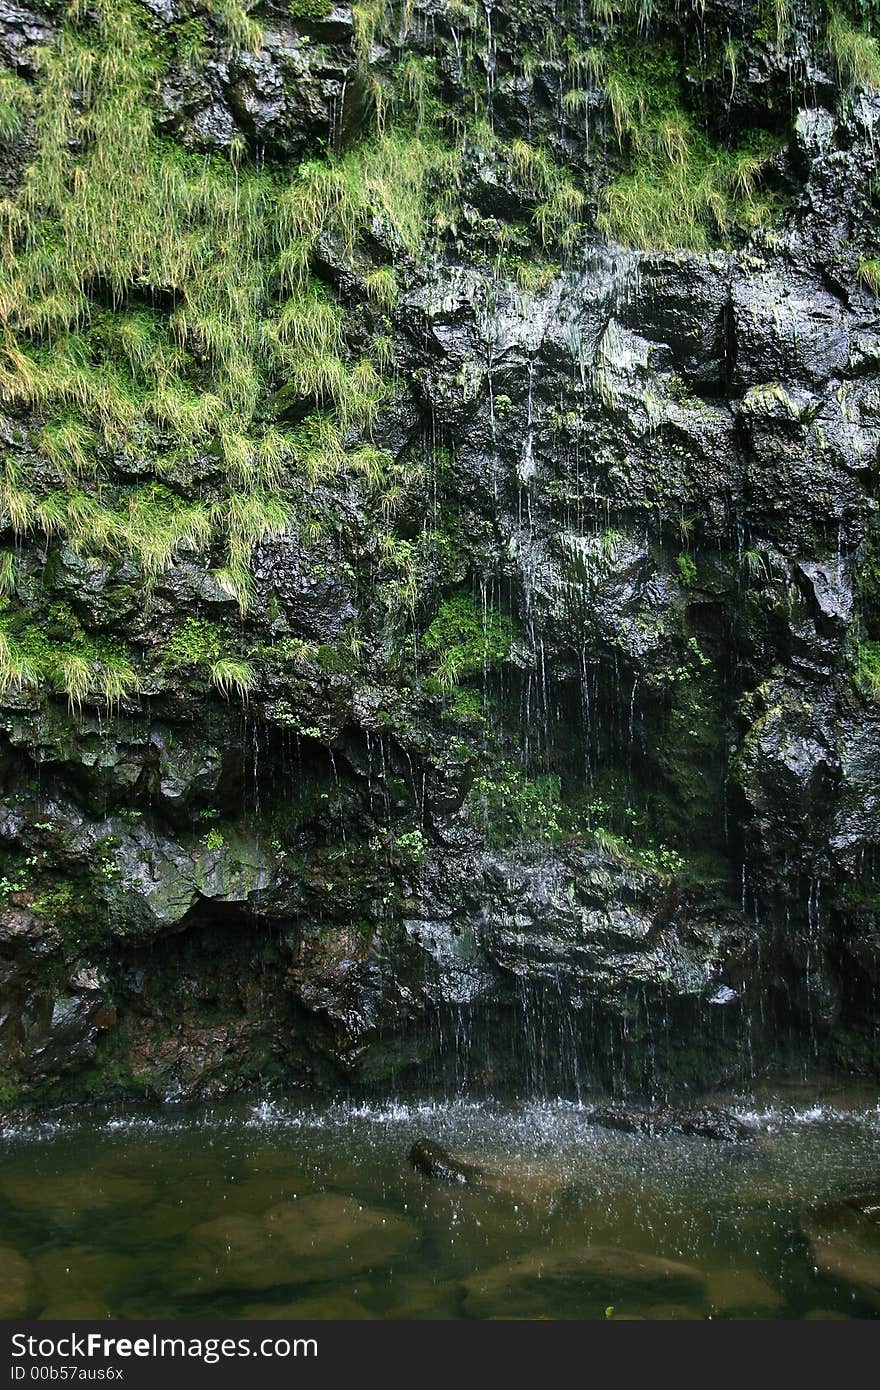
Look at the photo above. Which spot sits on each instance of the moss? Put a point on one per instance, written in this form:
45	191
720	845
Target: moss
197	642
467	706
309	9
867	669
466	640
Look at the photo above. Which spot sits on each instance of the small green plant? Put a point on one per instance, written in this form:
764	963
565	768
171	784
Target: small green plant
686	569
534	276
869	274
195	643
213	839
731	60
681	191
867	669
16	98
513	808
241	30
381	287
8	571
309	9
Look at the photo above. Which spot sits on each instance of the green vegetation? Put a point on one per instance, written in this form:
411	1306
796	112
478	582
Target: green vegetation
111	211
65	659
867	669
558	202
15	100
856	54
686	569
466	640
511	807
869	274
309	9
199	644
231	674
682	191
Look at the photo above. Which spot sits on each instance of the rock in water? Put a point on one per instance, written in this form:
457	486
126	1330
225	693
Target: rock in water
707	1122
844	1241
580	1283
16	1291
438	1163
711	1123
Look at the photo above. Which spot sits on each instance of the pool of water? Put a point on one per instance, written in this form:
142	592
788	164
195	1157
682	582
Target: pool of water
309	1209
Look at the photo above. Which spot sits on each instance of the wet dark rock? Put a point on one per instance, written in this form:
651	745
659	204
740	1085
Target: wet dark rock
432	1160
705	1122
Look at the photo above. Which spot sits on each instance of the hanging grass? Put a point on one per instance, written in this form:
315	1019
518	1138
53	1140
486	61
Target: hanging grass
230	675
108	205
681	191
856	55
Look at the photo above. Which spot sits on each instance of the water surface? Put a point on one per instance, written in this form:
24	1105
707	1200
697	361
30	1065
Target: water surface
308	1208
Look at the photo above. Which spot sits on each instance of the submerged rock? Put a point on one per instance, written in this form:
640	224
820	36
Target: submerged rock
332	1307
322	1237
741	1293
579	1283
16	1283
330	1236
844	1242
707	1122
69	1197
79	1274
433	1161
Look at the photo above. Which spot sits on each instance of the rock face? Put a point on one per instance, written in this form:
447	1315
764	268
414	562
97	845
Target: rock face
496	696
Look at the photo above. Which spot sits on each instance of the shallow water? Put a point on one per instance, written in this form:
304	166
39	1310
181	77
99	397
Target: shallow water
309	1209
